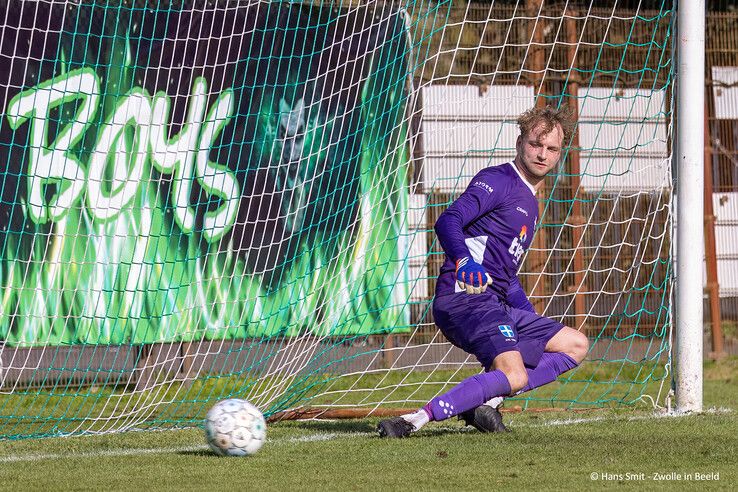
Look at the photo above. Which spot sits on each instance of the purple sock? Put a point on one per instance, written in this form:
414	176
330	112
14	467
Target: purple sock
551	366
468	394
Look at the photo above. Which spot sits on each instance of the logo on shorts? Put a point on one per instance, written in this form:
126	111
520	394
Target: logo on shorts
506	331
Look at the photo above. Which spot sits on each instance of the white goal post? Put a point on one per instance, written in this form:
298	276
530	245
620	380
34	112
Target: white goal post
690	253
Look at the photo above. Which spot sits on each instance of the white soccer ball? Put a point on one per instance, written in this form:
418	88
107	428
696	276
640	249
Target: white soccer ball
235	428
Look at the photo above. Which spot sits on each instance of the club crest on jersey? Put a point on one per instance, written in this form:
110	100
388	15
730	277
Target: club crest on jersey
507	331
523	234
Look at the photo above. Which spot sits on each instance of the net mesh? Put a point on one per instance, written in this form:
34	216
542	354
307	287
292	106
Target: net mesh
205	200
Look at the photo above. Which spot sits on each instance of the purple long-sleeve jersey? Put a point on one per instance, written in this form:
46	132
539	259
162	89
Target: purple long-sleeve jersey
493	222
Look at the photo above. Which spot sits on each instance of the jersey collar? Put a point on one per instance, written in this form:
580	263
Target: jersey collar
522	178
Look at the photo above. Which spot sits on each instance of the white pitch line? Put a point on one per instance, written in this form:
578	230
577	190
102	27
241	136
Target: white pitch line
97	454
552	423
624	418
329	436
322	436
325	436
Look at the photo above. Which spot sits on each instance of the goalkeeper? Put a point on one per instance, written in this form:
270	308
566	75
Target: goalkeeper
480	305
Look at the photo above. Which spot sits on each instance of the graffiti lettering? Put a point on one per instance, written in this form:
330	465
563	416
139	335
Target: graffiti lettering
185	155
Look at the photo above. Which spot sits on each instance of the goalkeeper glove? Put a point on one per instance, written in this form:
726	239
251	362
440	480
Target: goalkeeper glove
471	276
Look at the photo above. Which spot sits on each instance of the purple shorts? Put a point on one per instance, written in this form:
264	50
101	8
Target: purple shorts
485	327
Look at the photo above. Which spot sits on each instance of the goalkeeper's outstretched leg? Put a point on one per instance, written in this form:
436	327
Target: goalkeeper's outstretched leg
509	377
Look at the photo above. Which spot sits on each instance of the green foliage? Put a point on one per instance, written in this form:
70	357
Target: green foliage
730	329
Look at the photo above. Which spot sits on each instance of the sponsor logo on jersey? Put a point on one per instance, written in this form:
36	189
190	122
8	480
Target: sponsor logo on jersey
522	210
484	186
516	247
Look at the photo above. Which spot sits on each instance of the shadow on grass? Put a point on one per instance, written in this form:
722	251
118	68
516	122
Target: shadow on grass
336	425
199	452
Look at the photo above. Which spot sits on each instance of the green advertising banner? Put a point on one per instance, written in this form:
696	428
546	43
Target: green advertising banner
182	175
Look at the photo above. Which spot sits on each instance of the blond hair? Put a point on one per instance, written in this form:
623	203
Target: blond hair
549	117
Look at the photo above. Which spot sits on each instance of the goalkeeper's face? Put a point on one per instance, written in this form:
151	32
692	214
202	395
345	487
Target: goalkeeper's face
539	152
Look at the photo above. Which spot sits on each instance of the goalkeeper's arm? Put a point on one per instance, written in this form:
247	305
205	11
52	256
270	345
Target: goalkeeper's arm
516	297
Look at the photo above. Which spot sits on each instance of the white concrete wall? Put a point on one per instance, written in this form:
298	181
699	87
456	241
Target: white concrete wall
725	206
465	131
623	137
622	134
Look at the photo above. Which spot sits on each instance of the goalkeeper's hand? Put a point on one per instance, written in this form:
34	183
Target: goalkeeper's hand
471	276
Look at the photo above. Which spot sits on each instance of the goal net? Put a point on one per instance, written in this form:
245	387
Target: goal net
204	200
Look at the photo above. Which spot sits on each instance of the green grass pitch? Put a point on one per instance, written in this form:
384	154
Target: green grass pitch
560	450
